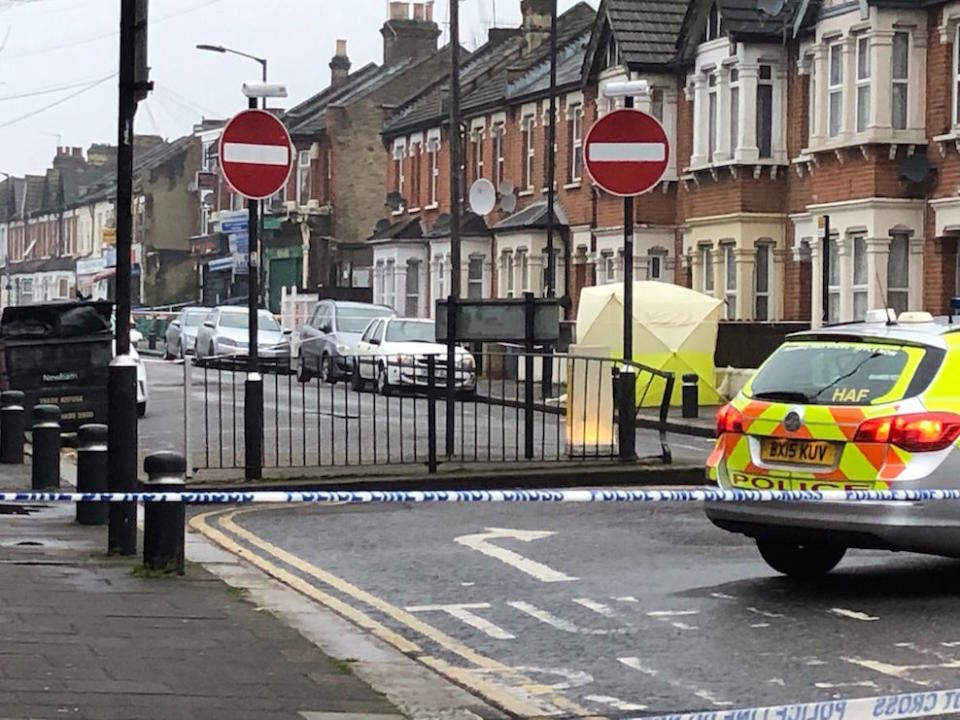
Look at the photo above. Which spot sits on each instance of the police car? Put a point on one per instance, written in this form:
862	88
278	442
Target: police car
873	405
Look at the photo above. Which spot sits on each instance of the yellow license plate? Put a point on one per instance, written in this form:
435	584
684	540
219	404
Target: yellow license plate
798	452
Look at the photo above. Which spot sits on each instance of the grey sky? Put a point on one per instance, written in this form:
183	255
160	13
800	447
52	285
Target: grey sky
70	44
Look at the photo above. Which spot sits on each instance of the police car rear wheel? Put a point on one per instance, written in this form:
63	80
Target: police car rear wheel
800	561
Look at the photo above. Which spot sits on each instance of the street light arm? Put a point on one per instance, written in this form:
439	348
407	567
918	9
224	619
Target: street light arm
221	49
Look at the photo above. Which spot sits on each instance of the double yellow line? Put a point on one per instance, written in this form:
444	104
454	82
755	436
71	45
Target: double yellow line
508	690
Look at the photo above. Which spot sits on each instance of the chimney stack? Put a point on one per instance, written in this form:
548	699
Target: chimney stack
536	22
409	31
340	65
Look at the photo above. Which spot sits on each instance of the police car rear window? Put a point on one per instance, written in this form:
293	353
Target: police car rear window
830	373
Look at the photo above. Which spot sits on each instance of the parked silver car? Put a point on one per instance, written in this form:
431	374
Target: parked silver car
223	337
328	340
181	337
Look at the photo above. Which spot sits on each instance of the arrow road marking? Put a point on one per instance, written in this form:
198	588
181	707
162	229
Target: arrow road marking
853	614
256	154
627	152
480	542
597	607
462	612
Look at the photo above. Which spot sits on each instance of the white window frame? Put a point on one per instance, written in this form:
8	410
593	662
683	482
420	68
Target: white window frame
524	267
441	277
478	154
412	295
576	142
834	282
730	280
378	281
433	162
834	89
812	101
499	159
390	283
734	111
527	125
472	281
765	82
864	79
902	290
900	82
655	263
303	176
706	260
399	152
956	76
508	273
861	288
758	294
713	106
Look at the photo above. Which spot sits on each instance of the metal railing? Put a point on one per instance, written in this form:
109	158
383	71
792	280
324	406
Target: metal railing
392	410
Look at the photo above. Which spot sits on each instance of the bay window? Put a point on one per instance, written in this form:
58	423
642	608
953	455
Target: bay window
863	83
734	111
836	89
765	111
412	305
898	273
730	281
761	284
706	255
712	118
860	277
475	278
834	282
508	274
901	78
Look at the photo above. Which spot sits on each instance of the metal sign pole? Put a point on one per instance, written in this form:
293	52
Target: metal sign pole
628	381
253	386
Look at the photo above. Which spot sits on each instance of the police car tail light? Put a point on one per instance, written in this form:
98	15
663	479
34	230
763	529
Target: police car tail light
920	432
729	420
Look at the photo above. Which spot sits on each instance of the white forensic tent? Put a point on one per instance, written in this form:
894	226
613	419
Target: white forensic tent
674	329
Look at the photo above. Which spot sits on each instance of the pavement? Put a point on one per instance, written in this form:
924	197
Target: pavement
84	635
616	611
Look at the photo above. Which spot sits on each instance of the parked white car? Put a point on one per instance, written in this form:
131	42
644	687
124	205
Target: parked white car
393	353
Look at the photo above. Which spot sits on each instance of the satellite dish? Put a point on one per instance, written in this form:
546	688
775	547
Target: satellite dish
508	203
483	196
382	226
770	7
394	201
506	187
915	168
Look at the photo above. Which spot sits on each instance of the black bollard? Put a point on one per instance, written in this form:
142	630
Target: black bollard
12	427
46	447
690	395
164	523
92	473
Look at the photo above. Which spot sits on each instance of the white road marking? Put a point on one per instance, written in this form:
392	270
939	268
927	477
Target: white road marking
902	672
571	678
467	584
462	612
256	154
615	703
597	607
760	625
777	681
815	661
626	599
627	152
927	651
671	613
635	664
547	617
684	626
722	596
835	686
480	542
853	614
765	613
953	643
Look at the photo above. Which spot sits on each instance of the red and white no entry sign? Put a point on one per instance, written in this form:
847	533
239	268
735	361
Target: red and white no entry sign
627	152
255	154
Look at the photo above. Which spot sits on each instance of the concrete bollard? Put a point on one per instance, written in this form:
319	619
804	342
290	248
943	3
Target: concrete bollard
92	473
690	395
12	427
46	447
164	524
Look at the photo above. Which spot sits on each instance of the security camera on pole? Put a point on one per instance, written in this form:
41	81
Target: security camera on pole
627	153
256	157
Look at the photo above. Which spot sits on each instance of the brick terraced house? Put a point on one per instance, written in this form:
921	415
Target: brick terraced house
838	108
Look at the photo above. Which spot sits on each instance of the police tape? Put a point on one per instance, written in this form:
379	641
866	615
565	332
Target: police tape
935	703
361	497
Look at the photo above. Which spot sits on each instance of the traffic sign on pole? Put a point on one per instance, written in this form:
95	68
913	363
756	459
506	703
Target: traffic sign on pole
255	154
627	152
